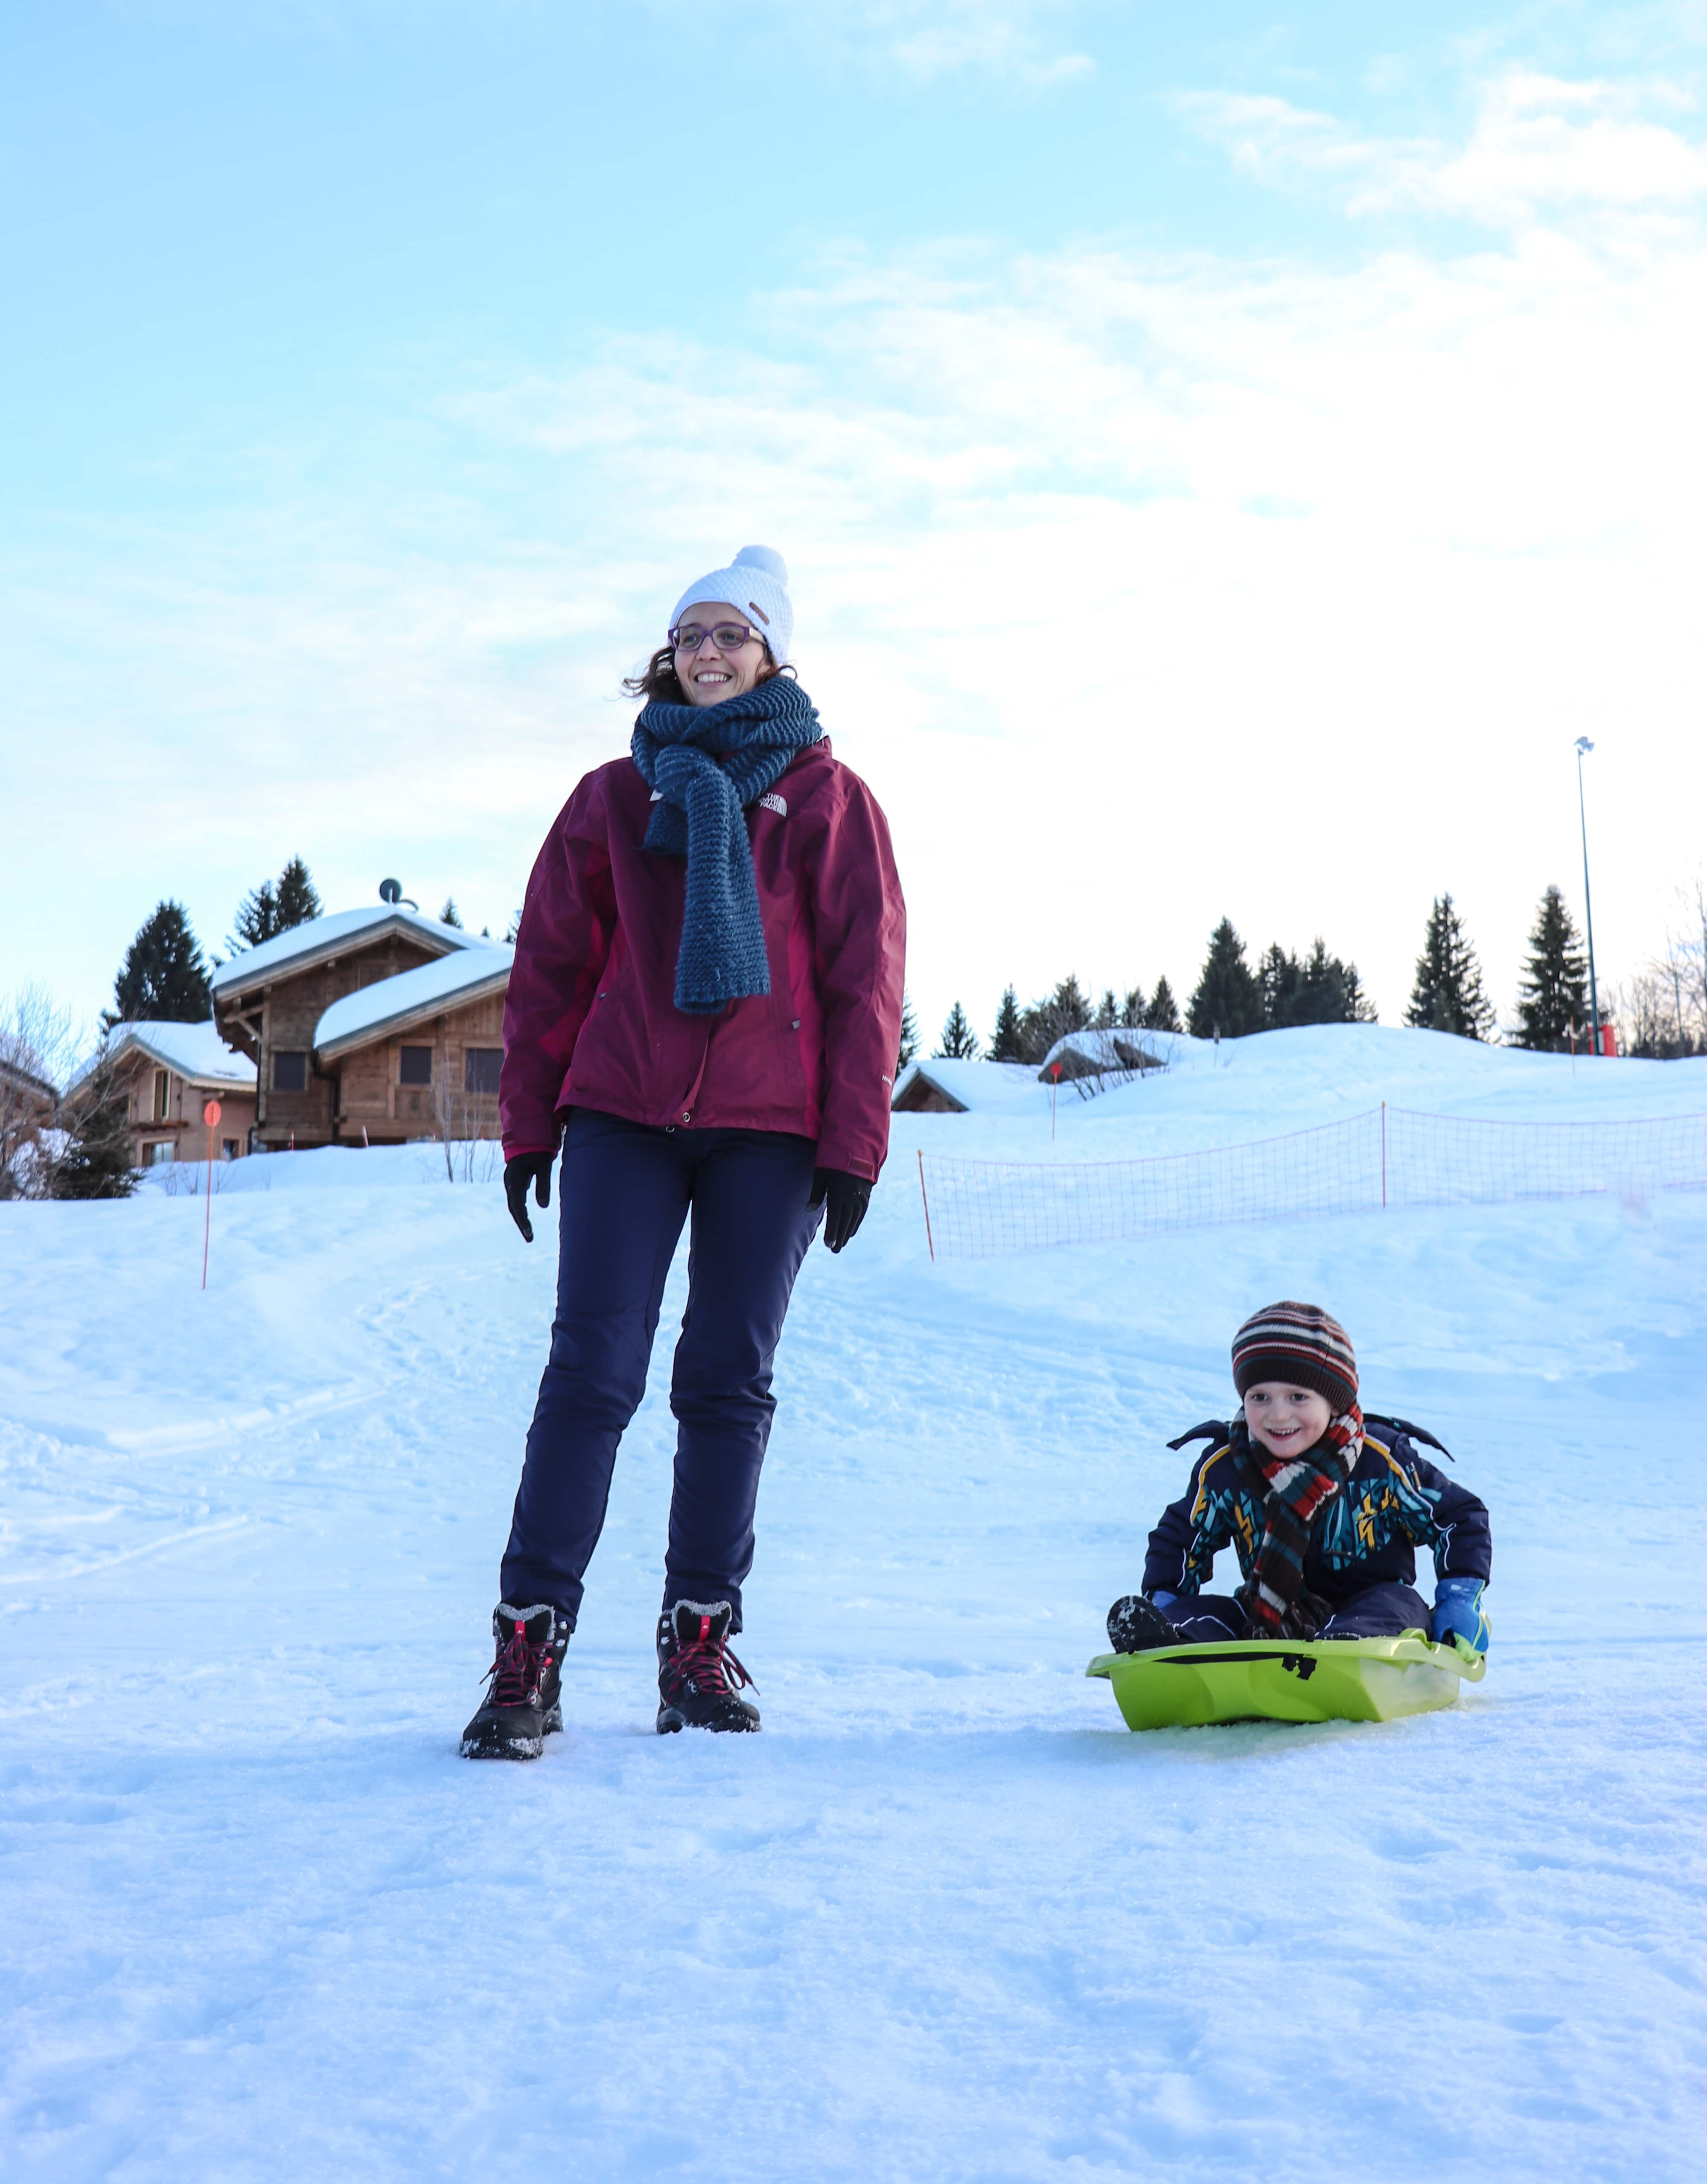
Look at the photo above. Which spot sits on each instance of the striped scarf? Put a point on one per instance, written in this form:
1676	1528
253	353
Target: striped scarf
1299	1488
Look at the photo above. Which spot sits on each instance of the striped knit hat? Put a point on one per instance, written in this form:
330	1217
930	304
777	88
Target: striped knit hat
1300	1345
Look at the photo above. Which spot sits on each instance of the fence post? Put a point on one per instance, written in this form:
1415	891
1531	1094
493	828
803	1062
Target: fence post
210	1122
1383	1157
930	1241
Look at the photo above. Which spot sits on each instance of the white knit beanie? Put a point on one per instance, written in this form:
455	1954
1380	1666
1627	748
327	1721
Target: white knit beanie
756	583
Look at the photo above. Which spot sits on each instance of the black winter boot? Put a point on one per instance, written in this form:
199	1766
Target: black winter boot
1137	1625
521	1706
699	1678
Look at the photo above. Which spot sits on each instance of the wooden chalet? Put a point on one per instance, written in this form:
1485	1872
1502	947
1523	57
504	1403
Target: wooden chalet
166	1074
941	1085
30	1098
922	1090
369	1026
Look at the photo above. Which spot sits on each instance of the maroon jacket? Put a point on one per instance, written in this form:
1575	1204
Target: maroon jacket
590	1020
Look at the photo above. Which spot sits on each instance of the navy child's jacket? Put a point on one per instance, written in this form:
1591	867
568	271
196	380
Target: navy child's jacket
1368	1534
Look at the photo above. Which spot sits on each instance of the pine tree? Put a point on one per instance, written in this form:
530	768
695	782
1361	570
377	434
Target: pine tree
1068	1008
268	910
1280	979
1342	997
1448	995
1163	1013
298	900
1004	1041
164	976
449	915
1132	1009
1228	1001
909	1033
96	1163
959	1039
1107	1014
257	919
1329	991
1553	994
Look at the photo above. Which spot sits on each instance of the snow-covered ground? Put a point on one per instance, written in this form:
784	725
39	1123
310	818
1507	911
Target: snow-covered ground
944	1919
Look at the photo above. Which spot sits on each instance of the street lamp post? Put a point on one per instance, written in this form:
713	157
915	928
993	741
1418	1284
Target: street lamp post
1583	745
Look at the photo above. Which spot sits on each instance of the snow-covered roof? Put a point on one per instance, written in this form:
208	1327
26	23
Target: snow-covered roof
1102	1049
195	1050
26	1081
390	1004
975	1087
320	937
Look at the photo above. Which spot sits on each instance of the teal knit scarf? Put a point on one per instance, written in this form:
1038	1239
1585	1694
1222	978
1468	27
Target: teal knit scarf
707	764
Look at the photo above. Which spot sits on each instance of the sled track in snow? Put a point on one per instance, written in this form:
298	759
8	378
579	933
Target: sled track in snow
1385	1158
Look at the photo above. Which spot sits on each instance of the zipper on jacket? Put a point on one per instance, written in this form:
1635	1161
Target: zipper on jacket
693	1092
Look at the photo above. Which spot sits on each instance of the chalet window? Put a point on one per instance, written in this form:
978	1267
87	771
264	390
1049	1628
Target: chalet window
157	1156
228	1148
160	1110
415	1065
290	1073
480	1068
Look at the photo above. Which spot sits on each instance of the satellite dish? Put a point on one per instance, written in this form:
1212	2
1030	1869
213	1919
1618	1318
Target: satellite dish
390	890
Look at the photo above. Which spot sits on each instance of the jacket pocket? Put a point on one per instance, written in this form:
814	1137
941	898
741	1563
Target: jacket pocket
611	1056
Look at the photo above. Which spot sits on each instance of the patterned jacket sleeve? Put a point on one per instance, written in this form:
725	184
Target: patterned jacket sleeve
1456	1532
1189	1535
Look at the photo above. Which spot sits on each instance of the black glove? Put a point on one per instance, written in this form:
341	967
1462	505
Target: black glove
849	1196
518	1173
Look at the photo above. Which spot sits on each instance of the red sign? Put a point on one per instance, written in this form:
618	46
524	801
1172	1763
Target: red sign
210	1114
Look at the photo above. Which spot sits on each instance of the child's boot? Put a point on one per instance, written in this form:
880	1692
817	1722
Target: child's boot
1137	1625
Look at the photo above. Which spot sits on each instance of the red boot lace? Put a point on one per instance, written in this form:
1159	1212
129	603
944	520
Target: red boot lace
515	1675
705	1662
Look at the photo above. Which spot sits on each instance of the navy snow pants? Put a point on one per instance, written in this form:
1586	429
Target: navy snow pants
1380	1611
626	1189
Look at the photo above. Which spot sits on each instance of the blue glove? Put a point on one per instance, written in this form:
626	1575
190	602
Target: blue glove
1458	1613
1164	1599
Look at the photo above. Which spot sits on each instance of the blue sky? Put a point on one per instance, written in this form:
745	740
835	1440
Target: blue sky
1225	456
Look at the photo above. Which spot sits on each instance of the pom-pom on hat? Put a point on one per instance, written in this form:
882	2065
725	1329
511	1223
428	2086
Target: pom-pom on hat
1300	1345
756	583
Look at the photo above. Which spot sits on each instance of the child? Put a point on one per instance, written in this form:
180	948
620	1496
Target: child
1325	1517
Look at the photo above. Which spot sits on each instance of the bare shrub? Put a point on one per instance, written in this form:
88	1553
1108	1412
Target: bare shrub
39	1042
1664	1007
466	1124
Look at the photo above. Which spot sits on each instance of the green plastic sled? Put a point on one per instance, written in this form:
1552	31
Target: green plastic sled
1287	1679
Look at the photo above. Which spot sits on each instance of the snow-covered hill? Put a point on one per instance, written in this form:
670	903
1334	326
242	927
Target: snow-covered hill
944	1919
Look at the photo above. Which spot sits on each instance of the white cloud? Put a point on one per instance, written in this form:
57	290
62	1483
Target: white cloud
1143	588
1538	146
1016	39
1025	44
1044	583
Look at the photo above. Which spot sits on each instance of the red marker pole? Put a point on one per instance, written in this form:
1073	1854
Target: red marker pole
210	1116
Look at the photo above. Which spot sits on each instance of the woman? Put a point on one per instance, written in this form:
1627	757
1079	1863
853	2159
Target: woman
706	1009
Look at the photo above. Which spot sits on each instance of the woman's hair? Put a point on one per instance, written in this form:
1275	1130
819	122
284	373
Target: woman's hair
659	678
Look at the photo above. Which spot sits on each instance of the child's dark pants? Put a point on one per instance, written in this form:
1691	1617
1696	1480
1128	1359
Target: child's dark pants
626	1189
1382	1610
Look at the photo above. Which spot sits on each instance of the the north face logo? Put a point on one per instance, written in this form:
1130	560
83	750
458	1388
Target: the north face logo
772	802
